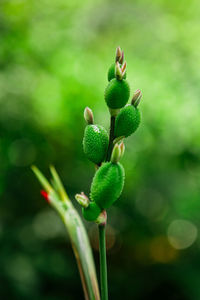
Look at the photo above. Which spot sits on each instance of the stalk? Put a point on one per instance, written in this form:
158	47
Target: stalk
111	137
103	263
102	227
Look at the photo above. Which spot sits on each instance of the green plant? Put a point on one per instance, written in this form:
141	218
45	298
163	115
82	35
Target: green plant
108	181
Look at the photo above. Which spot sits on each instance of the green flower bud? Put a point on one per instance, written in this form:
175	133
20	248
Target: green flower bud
95	143
111	72
117	93
118	54
102	218
116	154
88	116
107	184
127	121
92	212
136	98
82	199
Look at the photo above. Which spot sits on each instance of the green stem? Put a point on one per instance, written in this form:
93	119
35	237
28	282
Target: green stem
103	264
111	138
102	227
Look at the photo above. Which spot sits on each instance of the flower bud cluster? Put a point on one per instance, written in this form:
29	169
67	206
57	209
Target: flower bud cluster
108	181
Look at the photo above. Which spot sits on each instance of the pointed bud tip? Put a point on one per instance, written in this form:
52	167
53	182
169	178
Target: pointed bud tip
136	98
118	54
88	116
45	195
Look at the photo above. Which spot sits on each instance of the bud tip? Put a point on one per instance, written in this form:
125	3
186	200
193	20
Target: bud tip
88	116
118	54
136	98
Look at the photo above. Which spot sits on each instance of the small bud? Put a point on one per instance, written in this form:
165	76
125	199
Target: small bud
116	154
118	54
136	98
121	58
45	195
122	148
82	199
102	218
88	116
118	71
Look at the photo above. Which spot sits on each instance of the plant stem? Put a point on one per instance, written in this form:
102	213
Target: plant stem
103	264
111	137
102	227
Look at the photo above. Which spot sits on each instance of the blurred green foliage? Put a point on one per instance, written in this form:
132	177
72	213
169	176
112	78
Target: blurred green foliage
54	56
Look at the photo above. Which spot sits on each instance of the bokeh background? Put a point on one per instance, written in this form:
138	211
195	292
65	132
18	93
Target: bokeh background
54	56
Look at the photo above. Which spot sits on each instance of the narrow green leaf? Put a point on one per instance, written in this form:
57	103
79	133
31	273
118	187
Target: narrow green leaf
76	230
58	184
44	182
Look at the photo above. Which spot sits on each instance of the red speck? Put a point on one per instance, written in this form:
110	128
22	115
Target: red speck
45	195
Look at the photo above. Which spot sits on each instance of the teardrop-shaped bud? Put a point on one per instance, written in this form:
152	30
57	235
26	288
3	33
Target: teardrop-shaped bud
118	54
88	116
117	93
82	199
95	143
107	184
102	218
136	98
127	121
